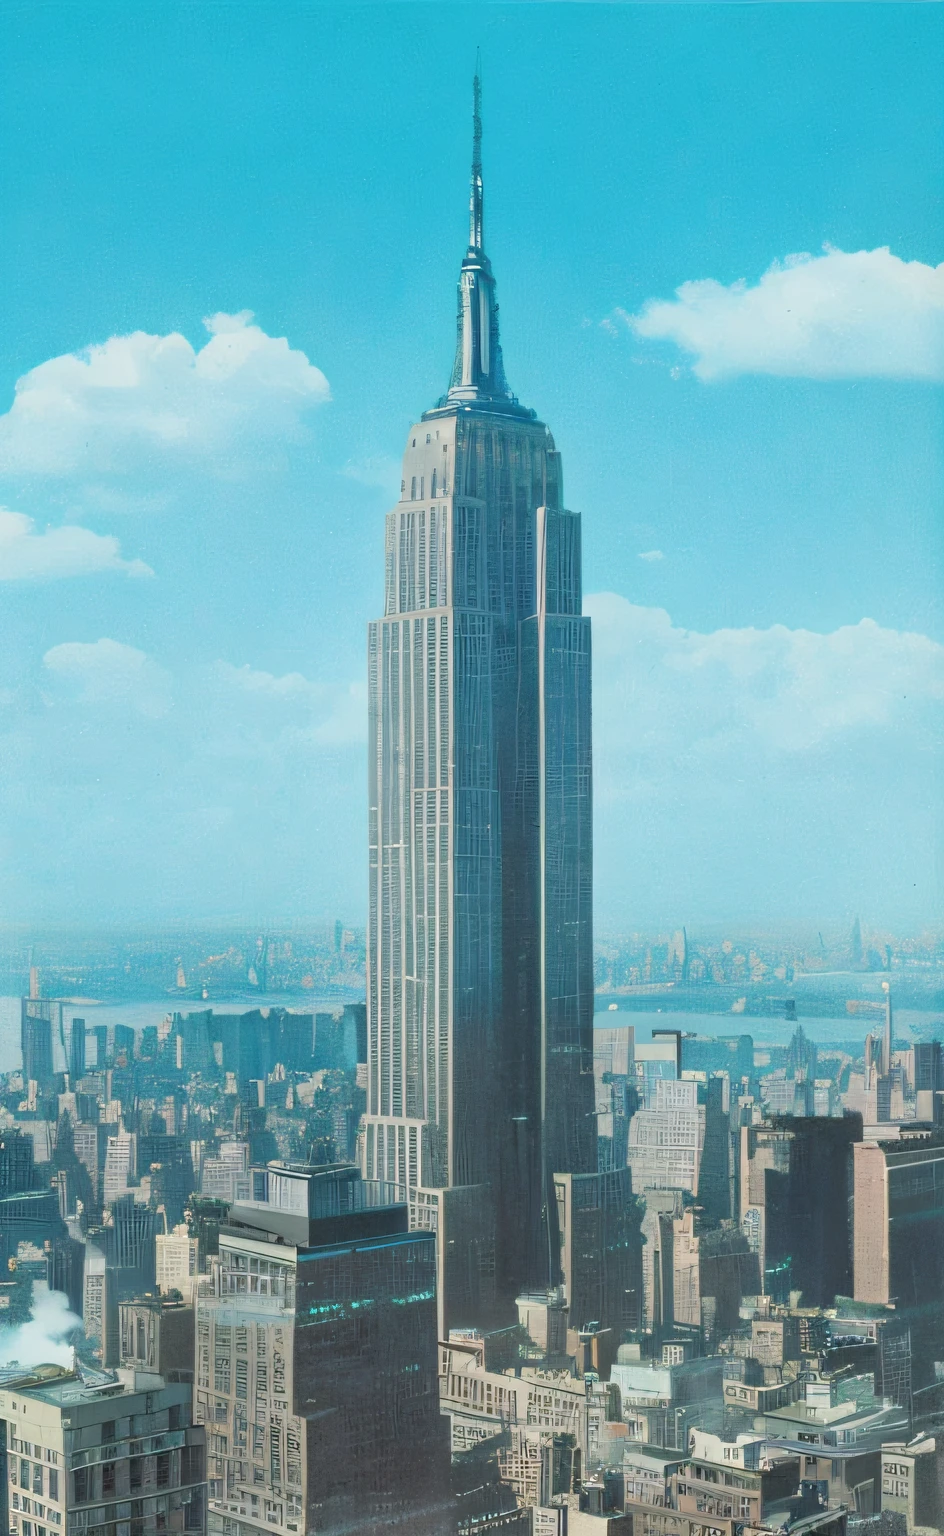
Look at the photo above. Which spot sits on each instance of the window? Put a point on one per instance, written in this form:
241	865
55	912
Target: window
413	489
37	1478
108	1478
432	484
81	1485
108	1432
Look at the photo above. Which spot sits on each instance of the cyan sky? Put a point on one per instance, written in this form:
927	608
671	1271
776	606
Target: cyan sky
309	163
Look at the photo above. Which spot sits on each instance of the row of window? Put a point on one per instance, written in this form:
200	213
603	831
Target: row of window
31	1507
28	1448
32	1479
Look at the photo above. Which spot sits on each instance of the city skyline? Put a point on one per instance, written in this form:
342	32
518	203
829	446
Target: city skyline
184	708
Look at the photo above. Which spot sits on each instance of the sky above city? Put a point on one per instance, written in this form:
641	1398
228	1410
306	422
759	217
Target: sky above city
231	240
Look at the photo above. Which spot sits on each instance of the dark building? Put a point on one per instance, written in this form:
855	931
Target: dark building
601	1250
124	1042
322	1329
355	1019
796	1193
100	1034
17	1171
76	1050
167	1160
29	1217
39	1017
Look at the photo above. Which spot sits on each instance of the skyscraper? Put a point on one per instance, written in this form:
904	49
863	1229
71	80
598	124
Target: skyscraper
316	1364
480	975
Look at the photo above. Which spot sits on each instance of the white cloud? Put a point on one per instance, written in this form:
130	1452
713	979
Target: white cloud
650	554
139	401
28	555
225	787
862	314
776	770
660	689
107	672
291	709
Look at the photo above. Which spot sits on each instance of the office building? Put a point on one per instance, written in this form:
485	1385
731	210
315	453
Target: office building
226	1176
796	1183
898	1237
666	1140
104	1456
479	969
176	1262
40	1022
76	1050
156	1337
119	1166
316	1364
614	1078
598	1222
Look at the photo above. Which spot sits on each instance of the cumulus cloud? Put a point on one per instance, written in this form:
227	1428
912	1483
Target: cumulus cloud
105	672
141	401
27	555
844	314
774	691
763	770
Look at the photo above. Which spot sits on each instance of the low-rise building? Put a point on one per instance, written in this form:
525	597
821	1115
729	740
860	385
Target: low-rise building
913	1480
541	1416
739	1480
103	1455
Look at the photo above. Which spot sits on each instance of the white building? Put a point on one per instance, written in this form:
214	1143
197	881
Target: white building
226	1176
119	1165
76	1454
176	1263
666	1141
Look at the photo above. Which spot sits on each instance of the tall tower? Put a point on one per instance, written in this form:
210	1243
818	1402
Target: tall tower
480	968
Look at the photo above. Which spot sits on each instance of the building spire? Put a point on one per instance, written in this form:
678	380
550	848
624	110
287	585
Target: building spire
478	374
476	210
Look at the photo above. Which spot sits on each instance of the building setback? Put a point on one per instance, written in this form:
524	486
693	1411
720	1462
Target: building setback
479	967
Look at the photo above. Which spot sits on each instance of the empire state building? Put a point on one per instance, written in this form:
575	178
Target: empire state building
480	969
